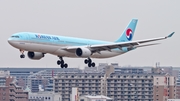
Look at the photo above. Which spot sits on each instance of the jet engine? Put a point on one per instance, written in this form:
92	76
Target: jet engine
83	52
35	55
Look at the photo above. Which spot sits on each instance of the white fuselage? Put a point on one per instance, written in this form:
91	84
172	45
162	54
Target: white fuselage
56	48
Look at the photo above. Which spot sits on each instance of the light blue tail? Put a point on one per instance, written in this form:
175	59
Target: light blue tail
128	33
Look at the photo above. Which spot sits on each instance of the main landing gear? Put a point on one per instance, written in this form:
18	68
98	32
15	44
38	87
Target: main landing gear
65	65
89	62
22	54
61	63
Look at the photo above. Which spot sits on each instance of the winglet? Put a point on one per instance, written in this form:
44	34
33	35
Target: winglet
170	35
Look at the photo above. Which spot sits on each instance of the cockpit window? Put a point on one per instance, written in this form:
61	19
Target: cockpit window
15	36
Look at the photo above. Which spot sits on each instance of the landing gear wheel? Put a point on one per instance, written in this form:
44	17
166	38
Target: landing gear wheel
89	65
61	63
85	61
58	62
93	64
65	65
22	56
62	66
89	62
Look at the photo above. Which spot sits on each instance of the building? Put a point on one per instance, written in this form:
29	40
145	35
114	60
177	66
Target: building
9	91
95	98
21	74
178	89
44	96
168	70
173	100
133	70
124	86
164	87
75	96
45	78
50	85
87	84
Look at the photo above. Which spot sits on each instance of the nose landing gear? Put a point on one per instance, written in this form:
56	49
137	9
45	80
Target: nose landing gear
22	54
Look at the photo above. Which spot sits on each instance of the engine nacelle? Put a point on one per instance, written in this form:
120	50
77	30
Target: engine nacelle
83	52
35	55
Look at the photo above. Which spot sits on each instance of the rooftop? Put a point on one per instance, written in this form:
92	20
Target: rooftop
98	97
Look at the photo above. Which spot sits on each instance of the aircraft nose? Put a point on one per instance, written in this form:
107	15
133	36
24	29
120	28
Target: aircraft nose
10	41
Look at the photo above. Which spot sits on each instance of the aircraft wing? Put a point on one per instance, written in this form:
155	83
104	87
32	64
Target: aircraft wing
129	44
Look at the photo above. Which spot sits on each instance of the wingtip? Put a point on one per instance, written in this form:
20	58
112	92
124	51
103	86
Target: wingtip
170	35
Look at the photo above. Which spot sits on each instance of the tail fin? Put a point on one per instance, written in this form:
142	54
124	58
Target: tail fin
128	33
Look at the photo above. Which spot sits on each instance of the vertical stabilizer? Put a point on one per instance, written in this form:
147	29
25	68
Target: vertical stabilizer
128	33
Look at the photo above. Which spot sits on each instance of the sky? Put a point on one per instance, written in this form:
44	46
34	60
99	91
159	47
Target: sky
93	19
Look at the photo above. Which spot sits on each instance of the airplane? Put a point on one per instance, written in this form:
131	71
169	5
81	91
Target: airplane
38	44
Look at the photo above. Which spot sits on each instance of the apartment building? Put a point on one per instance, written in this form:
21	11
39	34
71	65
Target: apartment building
178	86
9	91
88	84
122	86
164	87
178	89
21	74
45	78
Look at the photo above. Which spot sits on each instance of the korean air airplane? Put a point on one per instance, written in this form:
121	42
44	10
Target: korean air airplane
37	45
